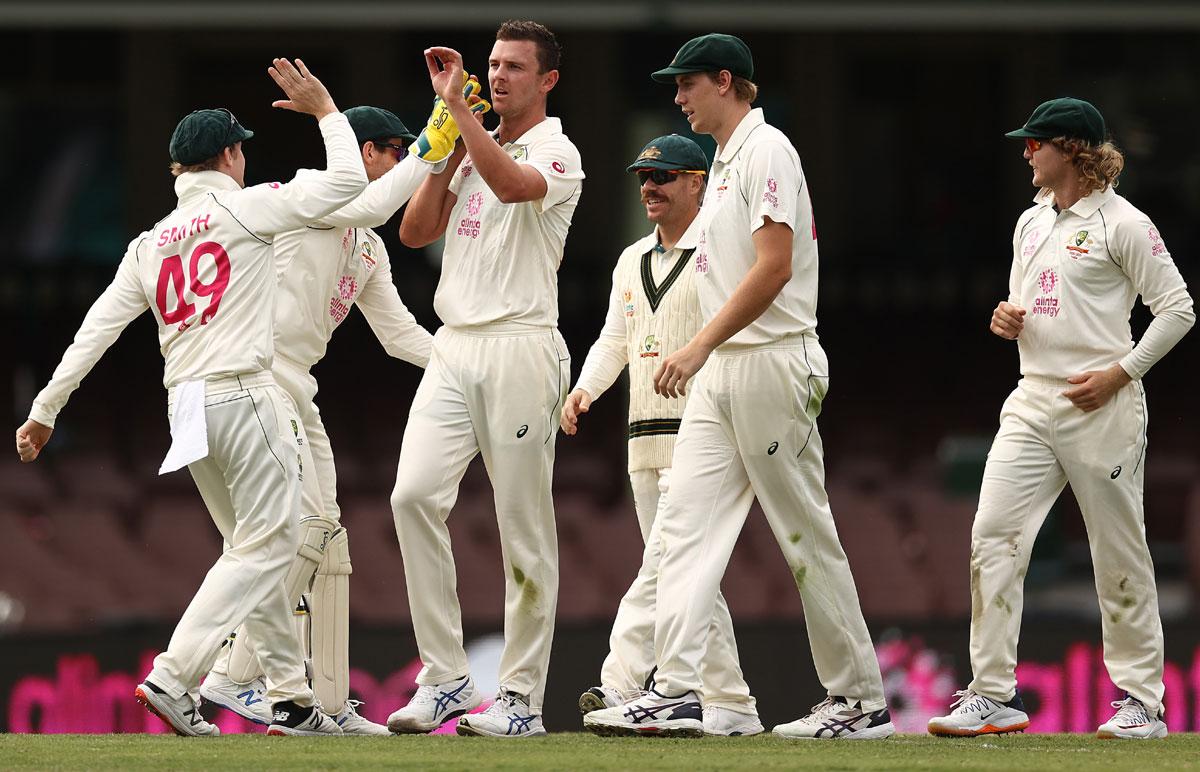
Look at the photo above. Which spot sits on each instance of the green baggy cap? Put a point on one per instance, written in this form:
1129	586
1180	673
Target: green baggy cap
673	153
204	133
374	124
1063	117
709	53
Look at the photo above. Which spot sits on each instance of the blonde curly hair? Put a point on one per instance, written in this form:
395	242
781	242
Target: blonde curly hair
1098	165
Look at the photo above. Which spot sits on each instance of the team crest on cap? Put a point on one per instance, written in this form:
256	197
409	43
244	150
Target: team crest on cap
650	153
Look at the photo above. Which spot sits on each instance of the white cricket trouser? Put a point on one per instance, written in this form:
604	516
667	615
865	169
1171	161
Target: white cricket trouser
318	490
249	483
630	658
494	390
749	429
1045	442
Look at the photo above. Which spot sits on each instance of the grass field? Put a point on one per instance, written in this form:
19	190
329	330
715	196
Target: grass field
584	751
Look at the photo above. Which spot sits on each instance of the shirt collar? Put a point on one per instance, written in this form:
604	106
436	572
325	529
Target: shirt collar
1084	207
749	123
546	128
192	184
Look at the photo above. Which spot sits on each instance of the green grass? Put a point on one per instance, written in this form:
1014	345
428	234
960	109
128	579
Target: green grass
584	751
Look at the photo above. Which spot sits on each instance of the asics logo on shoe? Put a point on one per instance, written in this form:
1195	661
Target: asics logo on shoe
519	724
637	714
247	697
443	702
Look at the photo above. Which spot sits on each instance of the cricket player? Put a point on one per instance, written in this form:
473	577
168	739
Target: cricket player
653	308
495	381
207	272
1081	256
325	269
749	428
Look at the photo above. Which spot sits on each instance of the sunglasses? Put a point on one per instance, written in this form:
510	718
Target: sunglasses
1034	145
399	150
232	123
660	176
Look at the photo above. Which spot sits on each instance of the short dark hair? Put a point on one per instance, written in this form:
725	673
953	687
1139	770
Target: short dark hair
549	52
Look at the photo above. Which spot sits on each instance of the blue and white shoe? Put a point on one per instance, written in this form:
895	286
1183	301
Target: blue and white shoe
651	714
508	716
434	705
247	700
354	724
835	719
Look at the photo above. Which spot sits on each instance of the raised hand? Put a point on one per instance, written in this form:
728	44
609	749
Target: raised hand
446	72
305	93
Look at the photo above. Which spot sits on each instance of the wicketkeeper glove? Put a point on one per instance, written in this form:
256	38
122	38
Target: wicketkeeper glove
437	139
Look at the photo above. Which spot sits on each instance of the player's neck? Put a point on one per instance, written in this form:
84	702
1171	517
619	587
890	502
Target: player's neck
671	230
1067	192
512	127
733	118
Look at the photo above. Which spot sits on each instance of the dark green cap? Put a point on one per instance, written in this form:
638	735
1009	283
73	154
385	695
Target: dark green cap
1064	117
374	124
204	133
673	153
710	53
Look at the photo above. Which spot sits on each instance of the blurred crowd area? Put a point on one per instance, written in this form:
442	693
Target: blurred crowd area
916	192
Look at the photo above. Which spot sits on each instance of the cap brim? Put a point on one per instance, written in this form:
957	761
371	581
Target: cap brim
665	165
241	134
1024	133
667	74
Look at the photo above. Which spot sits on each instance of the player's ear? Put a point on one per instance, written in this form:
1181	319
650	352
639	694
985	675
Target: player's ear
549	80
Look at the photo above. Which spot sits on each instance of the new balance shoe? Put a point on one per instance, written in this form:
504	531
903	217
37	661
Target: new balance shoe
508	716
972	714
434	705
601	697
182	714
835	719
352	723
292	719
723	722
1132	722
247	700
650	714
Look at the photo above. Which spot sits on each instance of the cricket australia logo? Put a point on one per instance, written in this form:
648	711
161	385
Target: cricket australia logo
651	347
1047	303
368	255
469	225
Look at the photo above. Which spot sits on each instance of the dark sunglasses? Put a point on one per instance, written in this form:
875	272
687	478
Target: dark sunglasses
660	176
400	150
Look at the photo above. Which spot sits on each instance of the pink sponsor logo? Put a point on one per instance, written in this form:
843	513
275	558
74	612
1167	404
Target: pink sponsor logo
469	225
1048	280
1157	247
1031	243
347	287
558	167
769	195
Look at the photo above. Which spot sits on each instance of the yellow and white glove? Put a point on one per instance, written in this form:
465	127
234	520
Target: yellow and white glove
437	139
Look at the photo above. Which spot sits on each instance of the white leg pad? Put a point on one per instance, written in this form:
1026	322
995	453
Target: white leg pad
241	663
329	604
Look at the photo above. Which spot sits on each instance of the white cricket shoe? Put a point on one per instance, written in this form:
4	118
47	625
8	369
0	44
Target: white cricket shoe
973	714
434	705
835	719
601	697
294	720
352	723
508	716
651	714
182	714
247	700
723	722
1132	722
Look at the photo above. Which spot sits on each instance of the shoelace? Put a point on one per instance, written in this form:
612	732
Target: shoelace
1130	711
425	694
827	707
968	702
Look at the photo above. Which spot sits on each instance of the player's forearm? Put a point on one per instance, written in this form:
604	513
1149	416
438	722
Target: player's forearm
344	177
426	215
603	365
1166	329
504	176
384	197
754	295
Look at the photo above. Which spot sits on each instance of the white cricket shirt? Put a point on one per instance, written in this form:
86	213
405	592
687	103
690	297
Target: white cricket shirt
207	272
339	262
1077	273
501	260
757	174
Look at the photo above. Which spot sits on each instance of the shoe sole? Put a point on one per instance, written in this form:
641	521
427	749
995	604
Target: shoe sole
733	734
1106	735
945	731
276	731
589	702
881	732
236	708
144	700
625	730
466	730
398	728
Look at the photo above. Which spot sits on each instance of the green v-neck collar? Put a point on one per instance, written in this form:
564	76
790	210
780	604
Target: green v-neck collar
656	292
